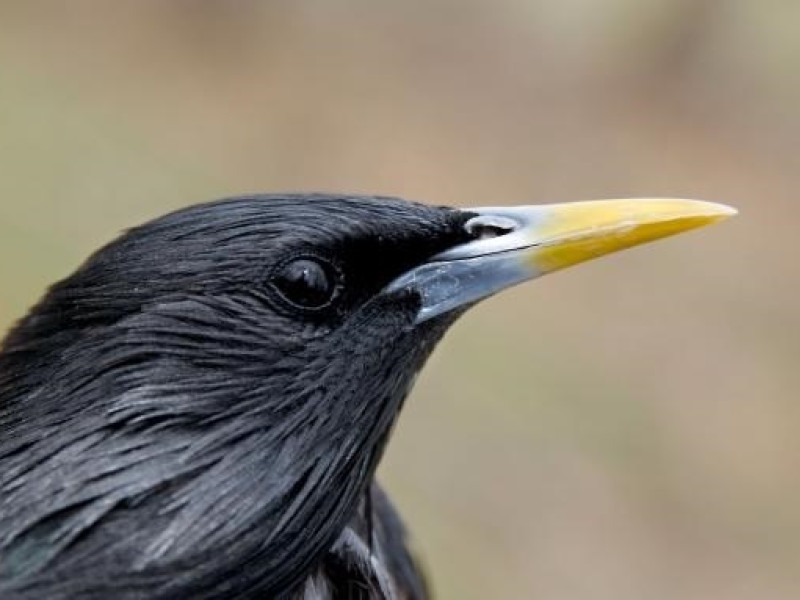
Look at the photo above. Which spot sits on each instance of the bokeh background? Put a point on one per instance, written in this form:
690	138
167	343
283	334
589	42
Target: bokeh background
628	429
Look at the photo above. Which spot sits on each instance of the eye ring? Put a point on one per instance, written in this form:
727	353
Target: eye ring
307	282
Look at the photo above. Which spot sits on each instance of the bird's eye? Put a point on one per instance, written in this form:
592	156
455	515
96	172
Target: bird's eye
307	283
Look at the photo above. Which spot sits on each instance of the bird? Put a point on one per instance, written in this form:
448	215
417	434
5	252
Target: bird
198	410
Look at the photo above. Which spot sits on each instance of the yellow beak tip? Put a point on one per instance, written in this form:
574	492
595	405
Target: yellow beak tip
720	211
580	231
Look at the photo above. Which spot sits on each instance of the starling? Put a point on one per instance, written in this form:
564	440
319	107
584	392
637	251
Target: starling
198	411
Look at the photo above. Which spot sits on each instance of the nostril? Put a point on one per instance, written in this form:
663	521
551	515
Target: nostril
486	227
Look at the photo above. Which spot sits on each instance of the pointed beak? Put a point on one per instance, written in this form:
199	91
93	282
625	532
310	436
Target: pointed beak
515	244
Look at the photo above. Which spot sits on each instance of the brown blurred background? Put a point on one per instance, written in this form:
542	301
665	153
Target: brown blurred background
626	430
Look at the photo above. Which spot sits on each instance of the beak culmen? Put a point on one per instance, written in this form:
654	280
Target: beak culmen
515	244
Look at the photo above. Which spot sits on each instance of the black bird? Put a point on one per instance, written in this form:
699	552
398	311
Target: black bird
199	410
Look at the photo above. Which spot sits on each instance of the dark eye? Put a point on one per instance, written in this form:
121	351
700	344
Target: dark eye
307	282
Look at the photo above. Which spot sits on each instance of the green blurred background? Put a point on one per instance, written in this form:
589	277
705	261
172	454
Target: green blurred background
628	429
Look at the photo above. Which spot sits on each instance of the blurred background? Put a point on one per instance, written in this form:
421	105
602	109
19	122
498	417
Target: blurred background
628	429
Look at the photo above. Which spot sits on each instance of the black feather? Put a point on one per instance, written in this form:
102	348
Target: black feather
172	427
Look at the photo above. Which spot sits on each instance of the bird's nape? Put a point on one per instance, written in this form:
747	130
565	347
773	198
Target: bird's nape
199	410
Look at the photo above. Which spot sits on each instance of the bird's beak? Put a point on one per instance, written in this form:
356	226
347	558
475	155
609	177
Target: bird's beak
515	244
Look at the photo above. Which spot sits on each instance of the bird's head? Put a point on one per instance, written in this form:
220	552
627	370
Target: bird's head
233	369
